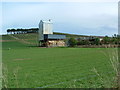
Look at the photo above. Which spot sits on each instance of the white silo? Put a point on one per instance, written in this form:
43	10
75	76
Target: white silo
45	27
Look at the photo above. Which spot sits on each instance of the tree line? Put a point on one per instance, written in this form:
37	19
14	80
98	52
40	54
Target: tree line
114	40
22	31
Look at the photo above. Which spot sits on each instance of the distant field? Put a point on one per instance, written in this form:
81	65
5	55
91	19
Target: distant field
27	66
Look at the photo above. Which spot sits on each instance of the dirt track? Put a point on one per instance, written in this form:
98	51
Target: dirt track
7	40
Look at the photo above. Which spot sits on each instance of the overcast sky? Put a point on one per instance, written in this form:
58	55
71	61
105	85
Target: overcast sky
85	18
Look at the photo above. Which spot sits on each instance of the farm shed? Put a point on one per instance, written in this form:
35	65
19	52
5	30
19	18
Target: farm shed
46	36
52	40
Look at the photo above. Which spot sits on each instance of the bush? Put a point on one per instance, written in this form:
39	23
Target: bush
83	42
72	42
97	41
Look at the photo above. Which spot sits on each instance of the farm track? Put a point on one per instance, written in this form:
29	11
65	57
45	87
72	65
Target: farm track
73	80
22	40
7	40
13	40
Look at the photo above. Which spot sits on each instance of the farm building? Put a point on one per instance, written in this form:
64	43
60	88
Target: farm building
46	36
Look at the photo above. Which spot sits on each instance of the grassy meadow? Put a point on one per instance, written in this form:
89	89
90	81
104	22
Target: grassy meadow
28	66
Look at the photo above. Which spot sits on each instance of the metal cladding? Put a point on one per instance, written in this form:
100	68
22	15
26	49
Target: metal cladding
53	36
45	27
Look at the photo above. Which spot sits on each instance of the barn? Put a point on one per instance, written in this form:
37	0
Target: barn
46	36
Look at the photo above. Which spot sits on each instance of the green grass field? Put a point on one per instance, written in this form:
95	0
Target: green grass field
25	66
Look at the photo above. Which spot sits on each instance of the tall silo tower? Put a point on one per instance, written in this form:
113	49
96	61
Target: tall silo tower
45	27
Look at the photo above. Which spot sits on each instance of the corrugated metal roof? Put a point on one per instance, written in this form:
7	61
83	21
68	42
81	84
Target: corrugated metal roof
53	36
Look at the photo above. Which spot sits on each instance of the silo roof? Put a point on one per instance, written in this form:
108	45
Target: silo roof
46	21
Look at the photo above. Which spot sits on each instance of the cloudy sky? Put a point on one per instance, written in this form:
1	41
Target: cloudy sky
85	18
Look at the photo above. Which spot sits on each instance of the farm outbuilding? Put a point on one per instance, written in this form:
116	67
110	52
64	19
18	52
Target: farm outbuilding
46	36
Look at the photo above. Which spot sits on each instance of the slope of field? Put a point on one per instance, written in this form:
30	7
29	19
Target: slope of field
29	39
26	66
33	37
